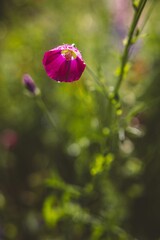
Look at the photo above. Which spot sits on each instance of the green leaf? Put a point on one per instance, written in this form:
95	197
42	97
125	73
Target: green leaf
51	211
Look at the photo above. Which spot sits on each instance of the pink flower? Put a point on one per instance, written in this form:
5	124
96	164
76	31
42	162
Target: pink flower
64	63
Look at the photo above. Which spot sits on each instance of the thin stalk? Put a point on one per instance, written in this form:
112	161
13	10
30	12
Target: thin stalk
147	16
94	76
44	108
125	54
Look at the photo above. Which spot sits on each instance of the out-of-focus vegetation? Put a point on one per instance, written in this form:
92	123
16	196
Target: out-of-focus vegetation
69	182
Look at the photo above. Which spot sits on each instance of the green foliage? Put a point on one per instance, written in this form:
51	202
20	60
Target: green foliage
101	163
81	161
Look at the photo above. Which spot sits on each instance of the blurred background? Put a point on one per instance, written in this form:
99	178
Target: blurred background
57	183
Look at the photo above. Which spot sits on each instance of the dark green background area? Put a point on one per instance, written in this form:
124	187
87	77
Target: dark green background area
69	182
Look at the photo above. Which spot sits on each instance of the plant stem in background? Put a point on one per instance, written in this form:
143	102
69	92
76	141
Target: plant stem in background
129	43
94	76
44	108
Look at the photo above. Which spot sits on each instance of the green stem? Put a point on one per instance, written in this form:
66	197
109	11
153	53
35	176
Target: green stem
44	108
125	54
94	76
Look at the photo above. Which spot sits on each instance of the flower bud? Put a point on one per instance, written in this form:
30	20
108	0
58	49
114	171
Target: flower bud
30	84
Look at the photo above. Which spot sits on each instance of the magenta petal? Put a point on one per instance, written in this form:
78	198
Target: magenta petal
64	71
50	56
74	74
53	67
81	65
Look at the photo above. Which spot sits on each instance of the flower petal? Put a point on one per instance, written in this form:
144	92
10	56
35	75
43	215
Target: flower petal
53	67
64	71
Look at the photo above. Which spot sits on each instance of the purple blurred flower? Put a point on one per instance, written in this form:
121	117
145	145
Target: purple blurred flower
29	83
64	63
122	12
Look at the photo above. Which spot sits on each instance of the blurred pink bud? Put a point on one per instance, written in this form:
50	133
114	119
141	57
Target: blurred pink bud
64	63
8	138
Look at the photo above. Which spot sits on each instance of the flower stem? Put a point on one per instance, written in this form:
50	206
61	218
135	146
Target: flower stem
44	108
94	76
129	43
